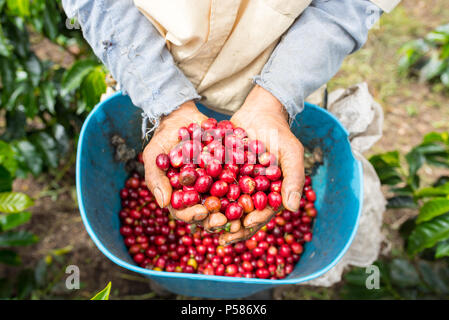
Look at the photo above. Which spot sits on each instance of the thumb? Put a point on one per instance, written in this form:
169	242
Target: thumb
292	164
157	181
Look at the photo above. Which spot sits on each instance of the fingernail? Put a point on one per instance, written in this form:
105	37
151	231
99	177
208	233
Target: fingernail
159	197
293	200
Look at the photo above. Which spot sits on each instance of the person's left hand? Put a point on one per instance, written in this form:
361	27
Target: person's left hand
264	118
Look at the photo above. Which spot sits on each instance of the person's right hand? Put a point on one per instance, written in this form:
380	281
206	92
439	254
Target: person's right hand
164	139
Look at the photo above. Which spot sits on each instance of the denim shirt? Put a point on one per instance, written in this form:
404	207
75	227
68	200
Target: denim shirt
308	55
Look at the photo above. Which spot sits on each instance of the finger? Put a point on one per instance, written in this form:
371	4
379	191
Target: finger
229	238
236	225
291	159
214	221
191	214
157	181
258	217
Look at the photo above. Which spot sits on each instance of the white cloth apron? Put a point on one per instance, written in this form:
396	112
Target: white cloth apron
221	45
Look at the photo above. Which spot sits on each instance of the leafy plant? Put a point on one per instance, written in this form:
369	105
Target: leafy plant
431	227
399	279
43	103
46	280
42	107
12	211
429	57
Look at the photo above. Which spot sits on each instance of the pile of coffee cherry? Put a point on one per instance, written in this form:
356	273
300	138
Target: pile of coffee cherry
156	241
217	165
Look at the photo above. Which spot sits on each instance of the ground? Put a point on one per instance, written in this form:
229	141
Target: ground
411	110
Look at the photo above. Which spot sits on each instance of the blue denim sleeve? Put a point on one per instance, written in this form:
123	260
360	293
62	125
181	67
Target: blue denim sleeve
135	54
312	50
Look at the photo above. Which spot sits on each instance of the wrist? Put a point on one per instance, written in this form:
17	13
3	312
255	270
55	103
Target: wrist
261	100
187	110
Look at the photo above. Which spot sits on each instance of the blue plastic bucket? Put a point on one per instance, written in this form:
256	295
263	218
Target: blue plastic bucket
338	185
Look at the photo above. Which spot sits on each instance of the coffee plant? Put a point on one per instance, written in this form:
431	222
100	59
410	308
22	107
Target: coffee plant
399	278
12	210
42	107
421	271
430	229
43	103
428	58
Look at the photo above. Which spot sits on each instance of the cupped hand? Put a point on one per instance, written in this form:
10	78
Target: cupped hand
265	119
164	139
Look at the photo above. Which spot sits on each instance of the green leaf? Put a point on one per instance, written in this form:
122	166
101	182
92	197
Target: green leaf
389	176
40	271
15	124
51	20
436	137
440	181
47	145
17	238
412	52
390	159
16	96
386	165
34	68
11	202
25	283
427	234
435	275
433	68
431	148
7	158
19	37
439	191
401	202
402	191
10	221
74	76
61	137
5	179
438	160
433	208
415	160
5	46
19	7
30	101
103	294
7	72
93	86
48	96
442	249
29	156
62	251
10	257
439	36
403	273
